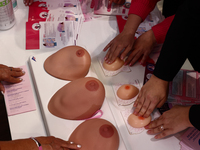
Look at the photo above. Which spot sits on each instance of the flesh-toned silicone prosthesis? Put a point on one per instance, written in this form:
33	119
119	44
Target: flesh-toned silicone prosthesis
96	134
137	121
78	100
69	63
117	64
127	91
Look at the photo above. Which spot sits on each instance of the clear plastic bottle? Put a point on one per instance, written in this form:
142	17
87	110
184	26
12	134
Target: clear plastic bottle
14	3
7	16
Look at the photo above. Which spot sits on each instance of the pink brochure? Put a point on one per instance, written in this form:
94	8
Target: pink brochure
191	139
19	97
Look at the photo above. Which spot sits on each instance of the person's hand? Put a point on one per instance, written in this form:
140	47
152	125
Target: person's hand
122	42
170	122
10	74
153	94
53	143
142	48
28	2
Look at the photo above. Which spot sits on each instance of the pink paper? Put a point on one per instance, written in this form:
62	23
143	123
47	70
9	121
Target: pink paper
191	139
19	97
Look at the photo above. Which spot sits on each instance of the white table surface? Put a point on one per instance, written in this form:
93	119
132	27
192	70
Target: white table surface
13	53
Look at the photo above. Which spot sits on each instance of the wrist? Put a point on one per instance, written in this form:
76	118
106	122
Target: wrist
158	80
37	143
132	23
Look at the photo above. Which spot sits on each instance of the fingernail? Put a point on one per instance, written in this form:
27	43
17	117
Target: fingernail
20	79
156	137
79	146
2	92
146	127
30	3
71	142
149	131
23	72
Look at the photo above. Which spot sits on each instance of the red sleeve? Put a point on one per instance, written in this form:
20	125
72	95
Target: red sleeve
142	7
160	30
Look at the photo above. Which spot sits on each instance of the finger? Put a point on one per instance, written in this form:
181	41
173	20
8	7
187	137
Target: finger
149	110
13	80
163	134
107	56
144	108
114	52
156	130
156	123
144	58
133	57
70	145
125	52
136	101
3	66
107	46
139	105
74	146
15	69
17	73
130	57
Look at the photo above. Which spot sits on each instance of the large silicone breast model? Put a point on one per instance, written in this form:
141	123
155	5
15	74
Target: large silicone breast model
96	134
69	63
78	100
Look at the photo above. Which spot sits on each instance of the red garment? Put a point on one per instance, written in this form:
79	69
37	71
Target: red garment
142	8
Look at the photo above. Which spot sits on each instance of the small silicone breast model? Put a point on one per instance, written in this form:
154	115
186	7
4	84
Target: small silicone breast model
117	64
137	121
78	100
69	63
96	134
127	91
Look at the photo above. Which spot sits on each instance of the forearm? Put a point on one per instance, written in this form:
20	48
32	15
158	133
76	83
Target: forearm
22	144
132	24
178	43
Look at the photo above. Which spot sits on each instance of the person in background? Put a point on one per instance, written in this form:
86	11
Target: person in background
12	75
181	43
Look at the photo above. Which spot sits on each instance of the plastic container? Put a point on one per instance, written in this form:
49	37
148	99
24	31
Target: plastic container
7	16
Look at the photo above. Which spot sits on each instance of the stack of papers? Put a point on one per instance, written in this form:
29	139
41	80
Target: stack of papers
53	24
